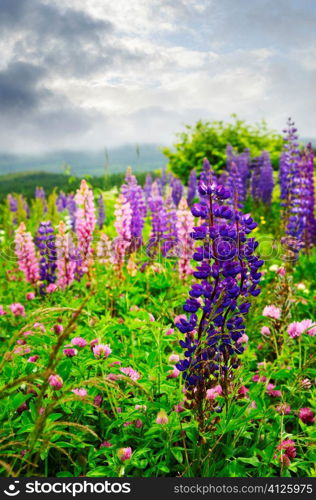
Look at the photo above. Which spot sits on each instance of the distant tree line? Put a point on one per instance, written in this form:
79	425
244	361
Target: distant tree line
26	182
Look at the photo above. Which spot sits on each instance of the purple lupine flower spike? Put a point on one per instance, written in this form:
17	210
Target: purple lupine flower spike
192	184
101	212
176	190
134	195
40	195
228	276
262	179
158	219
236	177
147	186
45	242
297	189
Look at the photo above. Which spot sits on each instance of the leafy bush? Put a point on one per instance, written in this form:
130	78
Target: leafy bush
211	138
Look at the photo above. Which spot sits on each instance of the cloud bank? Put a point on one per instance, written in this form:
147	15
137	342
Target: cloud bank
84	75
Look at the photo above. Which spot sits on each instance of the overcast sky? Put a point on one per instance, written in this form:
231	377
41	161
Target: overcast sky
84	74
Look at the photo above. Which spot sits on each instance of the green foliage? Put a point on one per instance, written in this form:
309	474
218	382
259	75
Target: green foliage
209	139
59	434
26	182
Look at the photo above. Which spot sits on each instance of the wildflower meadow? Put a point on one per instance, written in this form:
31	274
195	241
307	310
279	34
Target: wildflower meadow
164	328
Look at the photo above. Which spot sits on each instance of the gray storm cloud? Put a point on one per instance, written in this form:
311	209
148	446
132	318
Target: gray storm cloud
77	74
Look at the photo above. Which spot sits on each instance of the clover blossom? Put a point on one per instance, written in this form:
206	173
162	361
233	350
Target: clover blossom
85	223
25	252
66	263
228	278
184	224
45	241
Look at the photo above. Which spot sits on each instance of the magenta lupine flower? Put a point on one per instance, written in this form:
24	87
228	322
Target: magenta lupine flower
80	392
307	416
162	418
130	372
17	309
33	359
25	252
79	342
55	381
51	288
66	259
70	352
104	249
271	312
284	409
85	223
184	224
101	351
122	224
30	296
124	453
